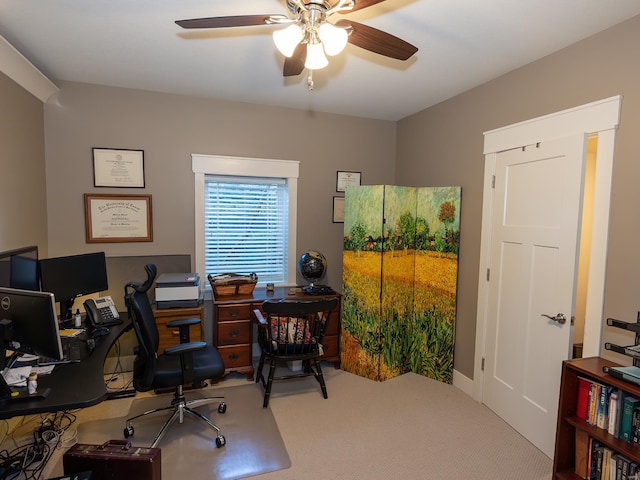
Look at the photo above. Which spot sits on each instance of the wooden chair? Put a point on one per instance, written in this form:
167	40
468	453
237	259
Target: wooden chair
290	330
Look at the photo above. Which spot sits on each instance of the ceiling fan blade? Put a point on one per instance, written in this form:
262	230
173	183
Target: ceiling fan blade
232	21
360	4
294	65
377	41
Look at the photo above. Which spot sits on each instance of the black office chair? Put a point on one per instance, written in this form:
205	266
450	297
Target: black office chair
183	364
292	330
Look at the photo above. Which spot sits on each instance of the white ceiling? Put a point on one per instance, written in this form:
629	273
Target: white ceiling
136	44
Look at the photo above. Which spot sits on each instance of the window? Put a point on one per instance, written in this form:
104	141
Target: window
245	226
246	216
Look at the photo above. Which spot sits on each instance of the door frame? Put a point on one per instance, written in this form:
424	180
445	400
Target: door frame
599	118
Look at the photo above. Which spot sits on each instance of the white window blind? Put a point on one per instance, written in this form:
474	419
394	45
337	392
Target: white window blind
246	226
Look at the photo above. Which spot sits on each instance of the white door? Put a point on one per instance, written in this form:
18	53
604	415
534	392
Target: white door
533	265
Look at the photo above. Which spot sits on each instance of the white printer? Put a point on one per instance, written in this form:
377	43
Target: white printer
177	290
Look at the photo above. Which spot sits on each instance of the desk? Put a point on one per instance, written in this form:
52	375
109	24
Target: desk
233	327
73	385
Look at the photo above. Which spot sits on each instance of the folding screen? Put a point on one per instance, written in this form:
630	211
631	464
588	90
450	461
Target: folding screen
399	285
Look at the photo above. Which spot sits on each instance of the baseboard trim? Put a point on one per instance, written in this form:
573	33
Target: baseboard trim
463	382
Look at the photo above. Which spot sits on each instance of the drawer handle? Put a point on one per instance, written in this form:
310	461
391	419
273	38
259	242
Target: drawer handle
234	356
234	333
234	313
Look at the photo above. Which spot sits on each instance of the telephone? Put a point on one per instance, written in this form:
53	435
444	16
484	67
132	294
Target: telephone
101	312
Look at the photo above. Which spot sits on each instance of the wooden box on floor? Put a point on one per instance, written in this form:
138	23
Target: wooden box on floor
114	460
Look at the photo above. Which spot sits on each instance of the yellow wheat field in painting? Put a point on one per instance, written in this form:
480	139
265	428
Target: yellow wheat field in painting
414	329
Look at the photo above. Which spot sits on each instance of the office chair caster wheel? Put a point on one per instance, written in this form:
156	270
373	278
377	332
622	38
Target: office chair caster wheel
220	441
128	431
222	407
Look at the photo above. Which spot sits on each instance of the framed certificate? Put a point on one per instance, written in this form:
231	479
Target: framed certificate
338	209
346	179
118	168
118	218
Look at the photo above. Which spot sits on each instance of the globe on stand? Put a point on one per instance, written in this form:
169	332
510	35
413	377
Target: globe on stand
313	267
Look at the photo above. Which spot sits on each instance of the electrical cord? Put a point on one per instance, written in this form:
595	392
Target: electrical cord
29	461
117	374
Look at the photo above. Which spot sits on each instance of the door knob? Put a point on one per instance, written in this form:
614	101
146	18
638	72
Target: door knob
560	318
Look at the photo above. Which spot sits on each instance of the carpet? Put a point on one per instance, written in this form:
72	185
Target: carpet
253	442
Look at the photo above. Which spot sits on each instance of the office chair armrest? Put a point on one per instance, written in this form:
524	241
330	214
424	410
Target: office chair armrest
260	317
184	327
184	348
182	322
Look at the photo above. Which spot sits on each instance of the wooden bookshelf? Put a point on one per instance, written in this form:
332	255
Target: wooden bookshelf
564	462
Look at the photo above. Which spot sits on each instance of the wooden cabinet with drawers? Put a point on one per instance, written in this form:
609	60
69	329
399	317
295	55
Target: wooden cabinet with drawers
171	336
233	321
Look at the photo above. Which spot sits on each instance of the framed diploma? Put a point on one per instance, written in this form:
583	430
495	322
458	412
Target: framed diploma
338	209
346	179
118	168
118	218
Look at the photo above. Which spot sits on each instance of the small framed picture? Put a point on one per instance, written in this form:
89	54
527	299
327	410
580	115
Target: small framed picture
117	167
338	209
111	218
346	179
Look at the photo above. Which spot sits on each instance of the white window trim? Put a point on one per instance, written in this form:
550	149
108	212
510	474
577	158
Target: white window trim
203	165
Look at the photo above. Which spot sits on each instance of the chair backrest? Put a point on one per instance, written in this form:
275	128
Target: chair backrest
144	323
296	326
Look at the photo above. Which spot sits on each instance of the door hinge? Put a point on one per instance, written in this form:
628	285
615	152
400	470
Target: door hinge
493	181
482	365
488	274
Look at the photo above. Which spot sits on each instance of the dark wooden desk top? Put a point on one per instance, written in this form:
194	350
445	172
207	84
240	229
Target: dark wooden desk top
73	385
260	294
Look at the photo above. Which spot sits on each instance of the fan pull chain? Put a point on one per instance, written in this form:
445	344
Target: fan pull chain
310	80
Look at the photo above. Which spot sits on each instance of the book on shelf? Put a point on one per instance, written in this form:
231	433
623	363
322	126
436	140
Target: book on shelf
593	403
613	468
598	452
602	419
606	463
629	374
584	385
612	426
626	423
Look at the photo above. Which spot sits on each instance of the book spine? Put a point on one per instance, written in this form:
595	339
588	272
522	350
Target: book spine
603	407
627	418
593	404
613	412
582	407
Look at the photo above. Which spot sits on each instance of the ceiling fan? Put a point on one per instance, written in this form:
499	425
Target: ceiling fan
309	35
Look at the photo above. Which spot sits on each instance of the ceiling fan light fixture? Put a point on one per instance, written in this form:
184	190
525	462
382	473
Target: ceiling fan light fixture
316	58
333	38
287	39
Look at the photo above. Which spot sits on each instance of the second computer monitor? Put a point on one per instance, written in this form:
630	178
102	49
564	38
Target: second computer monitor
73	276
19	268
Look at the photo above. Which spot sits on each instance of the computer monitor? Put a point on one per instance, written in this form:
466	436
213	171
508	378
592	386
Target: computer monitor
19	268
28	324
73	276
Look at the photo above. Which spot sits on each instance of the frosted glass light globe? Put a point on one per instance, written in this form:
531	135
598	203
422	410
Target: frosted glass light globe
333	38
287	39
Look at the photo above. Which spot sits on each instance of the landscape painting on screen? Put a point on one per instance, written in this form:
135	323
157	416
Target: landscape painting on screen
399	284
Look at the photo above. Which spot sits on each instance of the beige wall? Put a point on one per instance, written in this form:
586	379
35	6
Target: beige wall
169	129
23	209
443	146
